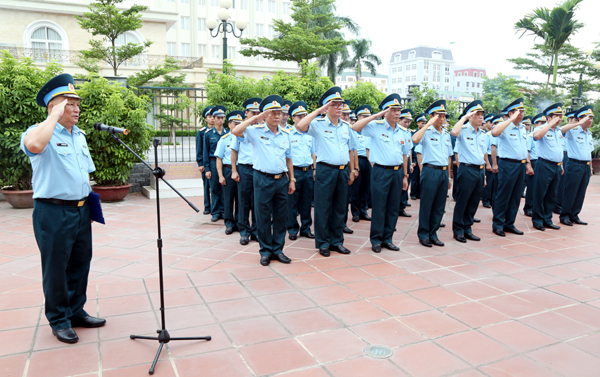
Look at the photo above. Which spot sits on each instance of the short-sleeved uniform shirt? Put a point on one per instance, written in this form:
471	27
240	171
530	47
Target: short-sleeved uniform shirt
361	147
512	143
303	147
269	151
332	143
550	147
388	145
471	144
244	149
580	144
61	170
436	147
223	150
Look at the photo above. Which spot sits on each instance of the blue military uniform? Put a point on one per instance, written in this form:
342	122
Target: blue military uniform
415	177
354	145
61	216
199	160
361	187
211	138
561	186
530	179
577	174
491	178
406	114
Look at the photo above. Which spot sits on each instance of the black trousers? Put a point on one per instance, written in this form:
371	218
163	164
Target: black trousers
300	202
331	205
511	179
206	185
246	201
530	182
415	184
546	180
230	200
577	178
470	182
360	189
561	185
489	191
216	191
434	189
386	188
64	237
270	203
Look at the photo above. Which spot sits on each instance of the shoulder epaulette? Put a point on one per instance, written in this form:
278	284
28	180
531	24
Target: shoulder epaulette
286	130
379	121
262	125
224	136
489	132
82	131
464	126
402	128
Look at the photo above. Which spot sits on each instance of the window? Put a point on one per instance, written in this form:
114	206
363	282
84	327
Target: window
260	30
243	4
478	85
468	84
185	23
201	2
214	3
458	84
446	88
447	70
425	77
272	6
201	24
426	65
414	78
46	44
414	67
436	55
350	79
170	1
397	57
338	79
185	49
459	74
393	81
231	53
201	50
286	9
259	5
270	32
216	52
436	73
446	80
481	74
171	49
185	1
412	54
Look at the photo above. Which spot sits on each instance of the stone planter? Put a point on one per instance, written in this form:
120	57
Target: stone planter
111	194
596	165
19	199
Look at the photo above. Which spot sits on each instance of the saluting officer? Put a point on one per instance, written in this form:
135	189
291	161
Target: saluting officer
513	164
62	227
243	173
362	185
304	159
490	177
210	123
389	152
579	147
538	120
211	138
561	186
406	117
436	149
224	168
285	109
273	176
346	111
334	165
415	184
353	117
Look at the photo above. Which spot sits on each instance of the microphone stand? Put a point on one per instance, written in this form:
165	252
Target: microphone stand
158	172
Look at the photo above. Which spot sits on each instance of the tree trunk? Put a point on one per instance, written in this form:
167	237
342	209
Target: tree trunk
548	75
358	70
114	53
555	70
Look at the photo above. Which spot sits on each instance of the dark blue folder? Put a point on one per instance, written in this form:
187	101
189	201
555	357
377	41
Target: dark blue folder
93	201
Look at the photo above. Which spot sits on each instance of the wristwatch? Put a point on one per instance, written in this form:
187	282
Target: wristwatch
293	179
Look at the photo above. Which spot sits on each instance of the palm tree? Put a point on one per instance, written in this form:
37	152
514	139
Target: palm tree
554	26
362	56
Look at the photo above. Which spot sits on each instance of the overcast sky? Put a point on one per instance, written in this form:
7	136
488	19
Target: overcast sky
482	30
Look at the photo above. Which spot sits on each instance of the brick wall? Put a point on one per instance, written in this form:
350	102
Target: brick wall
140	176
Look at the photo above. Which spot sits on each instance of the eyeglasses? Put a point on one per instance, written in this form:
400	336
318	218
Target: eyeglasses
336	104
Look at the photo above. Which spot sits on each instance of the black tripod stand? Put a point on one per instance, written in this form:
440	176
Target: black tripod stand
163	335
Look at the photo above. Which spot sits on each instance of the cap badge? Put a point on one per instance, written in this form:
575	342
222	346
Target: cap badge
71	87
255	104
337	94
442	107
395	100
300	107
558	108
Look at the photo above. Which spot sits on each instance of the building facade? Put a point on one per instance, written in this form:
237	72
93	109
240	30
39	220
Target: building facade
469	80
347	79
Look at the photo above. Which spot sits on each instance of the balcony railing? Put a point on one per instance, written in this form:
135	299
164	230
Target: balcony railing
73	57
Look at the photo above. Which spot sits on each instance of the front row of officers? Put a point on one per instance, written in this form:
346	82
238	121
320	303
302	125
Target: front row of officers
263	174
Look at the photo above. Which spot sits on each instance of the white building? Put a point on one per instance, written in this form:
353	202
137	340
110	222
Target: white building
469	80
347	79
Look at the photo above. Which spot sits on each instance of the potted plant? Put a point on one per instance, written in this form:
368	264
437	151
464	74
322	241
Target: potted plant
20	81
596	160
110	103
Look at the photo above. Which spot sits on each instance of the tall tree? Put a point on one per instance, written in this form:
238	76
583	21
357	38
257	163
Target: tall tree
106	20
301	39
555	26
499	92
361	56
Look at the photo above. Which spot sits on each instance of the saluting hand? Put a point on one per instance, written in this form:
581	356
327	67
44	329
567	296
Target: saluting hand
325	107
554	121
59	109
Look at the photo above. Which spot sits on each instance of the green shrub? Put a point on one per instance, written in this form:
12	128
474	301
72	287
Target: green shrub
364	93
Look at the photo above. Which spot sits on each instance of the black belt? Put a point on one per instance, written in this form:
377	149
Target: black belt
365	157
550	162
226	166
474	166
246	165
340	167
579	161
274	176
303	168
394	167
436	167
212	157
70	203
513	160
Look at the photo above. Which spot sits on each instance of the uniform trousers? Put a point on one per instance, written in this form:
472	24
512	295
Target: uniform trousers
468	194
434	189
415	178
530	181
511	180
489	191
216	191
546	180
206	185
270	203
455	175
561	186
64	237
230	199
331	205
386	188
360	188
246	200
577	177
299	202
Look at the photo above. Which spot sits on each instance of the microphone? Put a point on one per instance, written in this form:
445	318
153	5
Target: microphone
113	130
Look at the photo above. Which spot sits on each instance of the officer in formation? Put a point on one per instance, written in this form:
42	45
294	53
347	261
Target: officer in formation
242	172
211	138
406	118
561	186
436	149
538	120
491	178
304	160
353	117
346	111
470	180
415	177
273	176
210	123
334	164
361	187
224	168
61	164
285	116
389	151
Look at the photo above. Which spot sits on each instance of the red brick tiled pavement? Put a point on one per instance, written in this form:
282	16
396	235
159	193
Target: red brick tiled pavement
516	306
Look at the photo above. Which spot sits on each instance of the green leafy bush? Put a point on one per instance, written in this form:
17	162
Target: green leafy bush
364	93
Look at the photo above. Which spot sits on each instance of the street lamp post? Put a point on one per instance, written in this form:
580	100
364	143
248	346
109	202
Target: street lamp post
225	26
588	56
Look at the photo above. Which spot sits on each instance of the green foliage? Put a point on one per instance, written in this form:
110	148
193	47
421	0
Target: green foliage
425	96
110	103
20	81
364	93
308	86
106	20
302	39
500	91
142	77
181	133
91	65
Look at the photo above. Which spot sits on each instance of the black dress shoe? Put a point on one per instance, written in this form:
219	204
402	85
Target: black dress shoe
579	222
567	222
324	251
540	228
436	242
283	259
442	225
365	217
253	238
513	230
308	235
206	212
472	237
557	211
340	249
376	248
391	246
499	232
528	213
551	226
425	243
67	335
487	205
348	230
88	322
408	205
460	238
403	214
214	219
355	219
265	260
293	237
413	198
476	220
228	230
244	240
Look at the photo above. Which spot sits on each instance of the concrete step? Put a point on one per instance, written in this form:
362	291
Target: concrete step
185	177
166	192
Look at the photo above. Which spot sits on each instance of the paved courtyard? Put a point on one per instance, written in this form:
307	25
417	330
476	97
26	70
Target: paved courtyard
516	306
